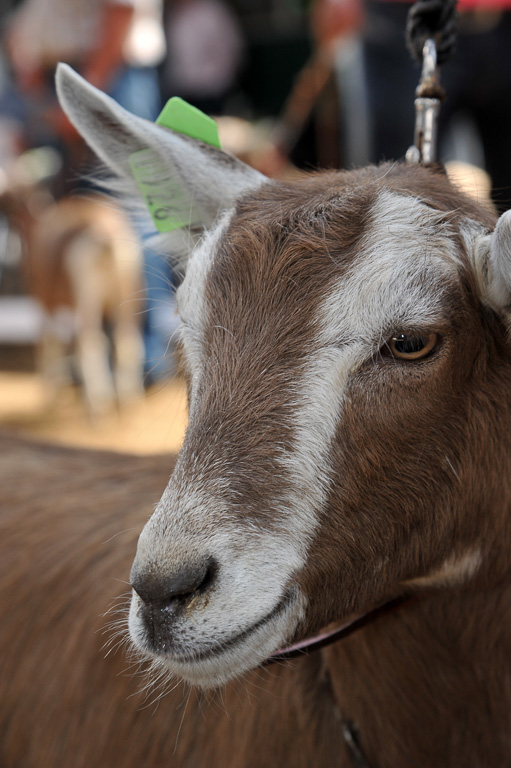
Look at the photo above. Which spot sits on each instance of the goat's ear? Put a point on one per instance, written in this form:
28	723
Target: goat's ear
202	180
491	255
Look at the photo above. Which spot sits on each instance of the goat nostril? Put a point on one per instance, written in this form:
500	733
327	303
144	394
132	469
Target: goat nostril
162	591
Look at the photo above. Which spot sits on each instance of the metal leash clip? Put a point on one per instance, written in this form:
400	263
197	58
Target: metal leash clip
429	95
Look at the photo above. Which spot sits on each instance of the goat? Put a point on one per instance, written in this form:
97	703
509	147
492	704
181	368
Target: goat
80	254
346	340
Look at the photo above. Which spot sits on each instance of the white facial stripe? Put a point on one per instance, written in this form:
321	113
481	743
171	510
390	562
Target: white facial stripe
190	294
319	394
404	258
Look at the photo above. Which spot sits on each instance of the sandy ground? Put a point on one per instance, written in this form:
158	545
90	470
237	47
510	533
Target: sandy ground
154	424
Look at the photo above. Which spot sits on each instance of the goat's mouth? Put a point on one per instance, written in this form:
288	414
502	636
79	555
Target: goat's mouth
208	662
223	646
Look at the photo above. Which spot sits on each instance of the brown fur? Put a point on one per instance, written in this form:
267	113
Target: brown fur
421	472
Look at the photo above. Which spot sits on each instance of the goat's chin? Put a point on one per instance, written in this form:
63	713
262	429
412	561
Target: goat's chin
209	662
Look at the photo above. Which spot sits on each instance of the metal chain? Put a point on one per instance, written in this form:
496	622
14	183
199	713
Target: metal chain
431	38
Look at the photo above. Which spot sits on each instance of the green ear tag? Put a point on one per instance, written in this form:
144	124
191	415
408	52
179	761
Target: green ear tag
164	195
183	118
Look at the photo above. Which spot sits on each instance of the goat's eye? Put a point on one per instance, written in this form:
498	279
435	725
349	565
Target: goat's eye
412	347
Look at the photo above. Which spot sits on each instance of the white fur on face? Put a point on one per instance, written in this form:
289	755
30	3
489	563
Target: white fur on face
246	615
396	281
190	297
405	257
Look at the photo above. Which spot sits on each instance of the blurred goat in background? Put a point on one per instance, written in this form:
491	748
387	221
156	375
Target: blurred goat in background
81	261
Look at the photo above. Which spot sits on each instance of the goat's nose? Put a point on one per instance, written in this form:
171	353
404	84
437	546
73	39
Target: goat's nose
162	591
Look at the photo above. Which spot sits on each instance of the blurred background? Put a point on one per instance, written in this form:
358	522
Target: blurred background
87	316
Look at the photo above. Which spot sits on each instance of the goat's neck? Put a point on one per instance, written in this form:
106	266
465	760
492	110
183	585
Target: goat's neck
403	680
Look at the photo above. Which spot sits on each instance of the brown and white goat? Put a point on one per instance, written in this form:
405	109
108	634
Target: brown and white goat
80	255
346	338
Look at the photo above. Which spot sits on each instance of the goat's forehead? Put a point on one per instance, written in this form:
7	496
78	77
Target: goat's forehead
399	254
405	267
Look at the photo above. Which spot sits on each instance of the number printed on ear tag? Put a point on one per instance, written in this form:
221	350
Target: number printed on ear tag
165	196
161	192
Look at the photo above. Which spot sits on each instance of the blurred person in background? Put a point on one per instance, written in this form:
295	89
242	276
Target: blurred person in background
205	53
311	130
115	44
